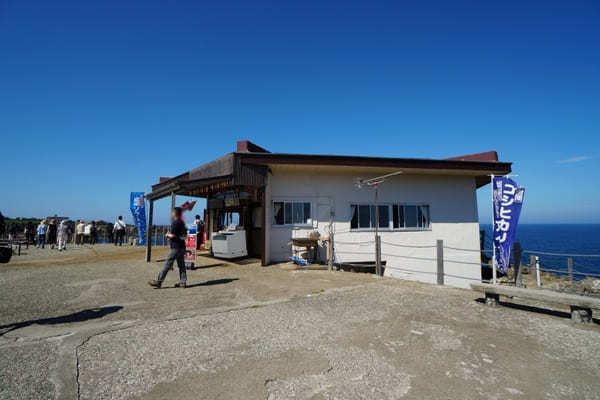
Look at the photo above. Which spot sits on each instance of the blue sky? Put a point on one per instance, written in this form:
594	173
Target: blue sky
98	99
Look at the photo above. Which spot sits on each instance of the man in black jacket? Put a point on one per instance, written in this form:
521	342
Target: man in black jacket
176	235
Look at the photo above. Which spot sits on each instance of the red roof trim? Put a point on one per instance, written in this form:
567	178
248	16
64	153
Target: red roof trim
246	146
489	156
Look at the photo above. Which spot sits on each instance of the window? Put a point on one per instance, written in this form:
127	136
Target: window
410	216
363	216
291	213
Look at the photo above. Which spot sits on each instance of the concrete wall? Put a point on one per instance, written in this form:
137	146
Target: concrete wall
409	254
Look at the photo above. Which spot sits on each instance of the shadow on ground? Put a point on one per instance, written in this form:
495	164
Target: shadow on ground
80	316
208	266
207	283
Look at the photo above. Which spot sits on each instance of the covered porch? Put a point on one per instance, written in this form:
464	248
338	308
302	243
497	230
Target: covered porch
229	187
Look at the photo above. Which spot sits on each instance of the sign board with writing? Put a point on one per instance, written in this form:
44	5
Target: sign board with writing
190	248
138	210
508	200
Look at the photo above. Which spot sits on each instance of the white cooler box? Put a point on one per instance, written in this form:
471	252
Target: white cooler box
229	244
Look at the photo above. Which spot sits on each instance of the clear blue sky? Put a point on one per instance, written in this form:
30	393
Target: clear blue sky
99	98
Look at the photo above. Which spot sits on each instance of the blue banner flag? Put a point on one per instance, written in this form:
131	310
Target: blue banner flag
508	199
138	210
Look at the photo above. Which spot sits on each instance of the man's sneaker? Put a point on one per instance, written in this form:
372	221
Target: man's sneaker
155	284
180	285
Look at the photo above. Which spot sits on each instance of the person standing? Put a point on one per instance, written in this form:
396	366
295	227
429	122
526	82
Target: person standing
176	235
198	223
30	233
12	232
119	230
79	232
63	235
41	234
93	233
2	226
52	233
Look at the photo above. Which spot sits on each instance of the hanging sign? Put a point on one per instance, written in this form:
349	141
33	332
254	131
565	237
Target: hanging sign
508	200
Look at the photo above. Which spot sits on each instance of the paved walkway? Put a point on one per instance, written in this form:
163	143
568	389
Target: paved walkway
84	324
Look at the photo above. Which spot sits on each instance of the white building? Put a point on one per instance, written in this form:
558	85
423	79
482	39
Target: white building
285	196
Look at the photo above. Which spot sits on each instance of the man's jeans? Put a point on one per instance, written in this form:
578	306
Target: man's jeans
119	236
174	254
41	241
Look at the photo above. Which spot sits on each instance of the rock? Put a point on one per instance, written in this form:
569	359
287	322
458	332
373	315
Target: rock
554	286
591	285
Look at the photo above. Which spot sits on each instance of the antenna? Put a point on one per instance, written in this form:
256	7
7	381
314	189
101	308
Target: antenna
359	182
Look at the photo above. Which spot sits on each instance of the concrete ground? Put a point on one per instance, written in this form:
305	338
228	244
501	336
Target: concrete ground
84	324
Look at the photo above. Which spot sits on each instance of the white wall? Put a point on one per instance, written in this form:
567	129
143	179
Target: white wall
409	254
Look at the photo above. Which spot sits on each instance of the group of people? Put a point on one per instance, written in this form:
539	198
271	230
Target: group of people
53	234
86	232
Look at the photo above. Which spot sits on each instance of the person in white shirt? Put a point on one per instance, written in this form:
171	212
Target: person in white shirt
79	231
119	230
63	234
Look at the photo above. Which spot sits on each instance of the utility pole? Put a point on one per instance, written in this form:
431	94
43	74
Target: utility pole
374	182
377	249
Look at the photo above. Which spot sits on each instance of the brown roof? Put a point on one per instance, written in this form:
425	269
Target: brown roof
247	166
363	161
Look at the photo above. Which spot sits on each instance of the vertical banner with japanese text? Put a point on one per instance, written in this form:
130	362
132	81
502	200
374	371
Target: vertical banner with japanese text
138	210
508	200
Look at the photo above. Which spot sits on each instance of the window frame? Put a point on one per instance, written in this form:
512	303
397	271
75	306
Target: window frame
371	213
413	228
310	220
390	227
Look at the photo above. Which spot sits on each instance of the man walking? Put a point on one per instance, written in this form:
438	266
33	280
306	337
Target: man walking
119	230
177	235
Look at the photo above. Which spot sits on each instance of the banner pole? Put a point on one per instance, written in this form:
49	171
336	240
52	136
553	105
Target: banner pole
493	244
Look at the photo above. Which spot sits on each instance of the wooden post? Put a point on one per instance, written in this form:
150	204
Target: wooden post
518	252
570	268
379	271
330	253
440	262
377	242
149	232
537	271
330	244
173	196
263	226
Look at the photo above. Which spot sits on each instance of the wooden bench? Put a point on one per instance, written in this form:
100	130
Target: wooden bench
581	306
16	242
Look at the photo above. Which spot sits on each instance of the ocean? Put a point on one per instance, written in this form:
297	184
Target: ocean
582	239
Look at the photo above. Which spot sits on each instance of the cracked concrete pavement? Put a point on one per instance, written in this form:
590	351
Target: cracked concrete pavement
84	324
